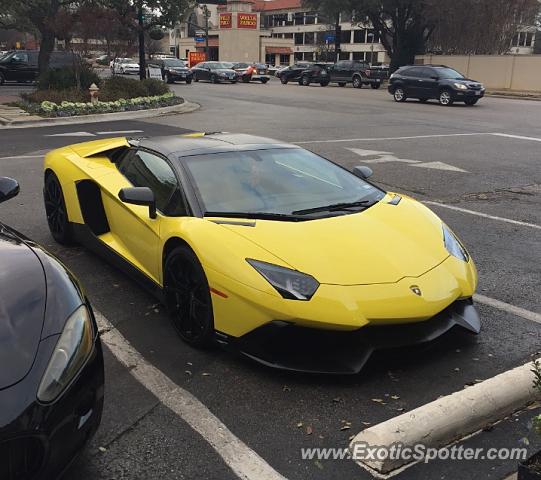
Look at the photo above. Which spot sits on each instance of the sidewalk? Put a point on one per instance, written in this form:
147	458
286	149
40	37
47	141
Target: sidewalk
10	114
514	94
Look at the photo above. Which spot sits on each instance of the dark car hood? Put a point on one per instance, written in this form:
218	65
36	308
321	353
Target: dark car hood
22	306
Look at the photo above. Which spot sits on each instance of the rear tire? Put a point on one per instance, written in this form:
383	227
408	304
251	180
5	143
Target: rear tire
324	84
341	84
471	101
2	79
305	81
264	80
188	297
446	98
284	80
375	86
399	95
55	208
188	81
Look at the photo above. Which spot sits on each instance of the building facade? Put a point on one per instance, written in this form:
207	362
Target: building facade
276	32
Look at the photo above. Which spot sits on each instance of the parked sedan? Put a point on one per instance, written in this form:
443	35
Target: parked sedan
434	81
51	363
125	66
292	73
215	72
174	70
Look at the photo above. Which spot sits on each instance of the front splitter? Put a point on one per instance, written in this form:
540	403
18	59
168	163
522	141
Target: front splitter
289	347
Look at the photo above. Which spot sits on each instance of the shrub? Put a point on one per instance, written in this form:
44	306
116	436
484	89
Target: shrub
66	78
56	96
119	87
155	87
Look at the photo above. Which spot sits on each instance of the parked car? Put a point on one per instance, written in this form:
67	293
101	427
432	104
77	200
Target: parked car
343	72
174	70
51	362
252	71
292	73
125	66
439	82
215	72
103	60
22	65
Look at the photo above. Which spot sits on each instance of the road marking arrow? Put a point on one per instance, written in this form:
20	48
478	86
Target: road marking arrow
440	166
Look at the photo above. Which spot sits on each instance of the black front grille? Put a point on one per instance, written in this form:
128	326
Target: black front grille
21	458
474	86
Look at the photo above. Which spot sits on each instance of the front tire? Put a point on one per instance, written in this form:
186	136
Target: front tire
342	84
188	81
324	84
305	81
284	80
471	101
357	82
168	78
399	95
213	79
446	98
2	79
246	79
188	298
55	208
264	81
375	86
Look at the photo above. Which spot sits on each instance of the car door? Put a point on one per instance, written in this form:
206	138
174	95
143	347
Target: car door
133	234
339	72
18	67
428	83
413	79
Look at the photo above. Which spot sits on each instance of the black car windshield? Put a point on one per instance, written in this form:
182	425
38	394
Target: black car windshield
449	73
275	182
216	66
173	62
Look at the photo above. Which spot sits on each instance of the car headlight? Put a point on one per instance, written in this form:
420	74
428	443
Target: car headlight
71	351
453	245
289	283
460	86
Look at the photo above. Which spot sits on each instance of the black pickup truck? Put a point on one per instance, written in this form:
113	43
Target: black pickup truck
343	72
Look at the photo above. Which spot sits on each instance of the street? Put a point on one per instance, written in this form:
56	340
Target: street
476	167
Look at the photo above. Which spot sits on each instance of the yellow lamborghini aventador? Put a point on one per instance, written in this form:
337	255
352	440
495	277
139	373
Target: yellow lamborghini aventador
264	247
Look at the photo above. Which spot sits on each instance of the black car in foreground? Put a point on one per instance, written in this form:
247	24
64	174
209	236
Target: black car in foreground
215	72
439	82
292	73
51	363
174	70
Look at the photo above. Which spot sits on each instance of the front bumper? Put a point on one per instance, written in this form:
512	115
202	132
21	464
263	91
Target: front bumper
467	94
180	77
286	346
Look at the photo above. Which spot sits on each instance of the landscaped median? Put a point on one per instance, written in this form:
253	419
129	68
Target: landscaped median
59	97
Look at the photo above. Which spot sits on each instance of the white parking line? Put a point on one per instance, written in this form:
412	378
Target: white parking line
506	307
21	156
119	132
518	137
484	215
393	138
71	134
244	462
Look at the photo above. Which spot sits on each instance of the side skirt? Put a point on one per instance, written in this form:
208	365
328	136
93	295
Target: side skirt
85	237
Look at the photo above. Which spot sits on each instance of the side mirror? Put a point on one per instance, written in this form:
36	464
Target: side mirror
9	188
362	172
139	196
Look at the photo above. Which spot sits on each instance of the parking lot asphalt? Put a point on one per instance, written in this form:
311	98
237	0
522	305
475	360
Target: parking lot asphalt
483	159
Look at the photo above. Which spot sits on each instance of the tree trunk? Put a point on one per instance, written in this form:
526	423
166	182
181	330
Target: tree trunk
141	31
45	49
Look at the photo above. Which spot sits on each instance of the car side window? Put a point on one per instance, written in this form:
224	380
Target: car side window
20	58
144	169
414	72
428	73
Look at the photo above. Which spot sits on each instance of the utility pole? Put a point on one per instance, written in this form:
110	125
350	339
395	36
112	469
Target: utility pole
206	13
337	38
141	33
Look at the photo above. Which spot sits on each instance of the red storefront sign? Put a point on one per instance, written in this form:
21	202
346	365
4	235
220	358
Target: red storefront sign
247	20
226	20
196	57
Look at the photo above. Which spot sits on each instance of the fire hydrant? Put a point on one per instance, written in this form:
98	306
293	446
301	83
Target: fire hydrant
93	89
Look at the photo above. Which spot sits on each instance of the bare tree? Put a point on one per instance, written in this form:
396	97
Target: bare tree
479	26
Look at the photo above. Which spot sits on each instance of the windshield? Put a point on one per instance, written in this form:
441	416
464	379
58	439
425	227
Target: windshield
449	73
276	181
127	60
215	66
173	63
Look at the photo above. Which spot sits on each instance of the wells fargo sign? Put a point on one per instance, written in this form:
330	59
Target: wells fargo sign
196	57
247	20
226	20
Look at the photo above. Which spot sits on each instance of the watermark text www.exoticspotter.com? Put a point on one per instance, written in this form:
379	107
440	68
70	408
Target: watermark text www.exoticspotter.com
363	452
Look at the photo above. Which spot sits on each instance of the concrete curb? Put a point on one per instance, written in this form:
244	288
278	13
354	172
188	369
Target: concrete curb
186	107
513	97
450	418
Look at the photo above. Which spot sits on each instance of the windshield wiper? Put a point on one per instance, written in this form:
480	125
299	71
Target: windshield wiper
335	207
256	216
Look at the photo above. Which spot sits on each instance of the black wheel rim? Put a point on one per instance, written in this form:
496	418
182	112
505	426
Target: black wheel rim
188	297
54	207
